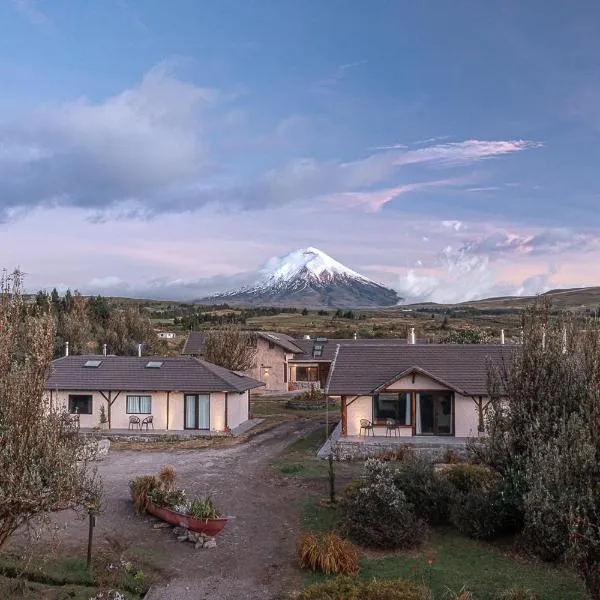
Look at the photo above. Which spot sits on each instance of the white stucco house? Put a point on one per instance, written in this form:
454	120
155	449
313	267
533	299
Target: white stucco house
413	389
179	393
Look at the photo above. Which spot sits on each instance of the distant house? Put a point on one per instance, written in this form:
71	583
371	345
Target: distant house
166	335
273	351
413	389
179	393
284	363
310	367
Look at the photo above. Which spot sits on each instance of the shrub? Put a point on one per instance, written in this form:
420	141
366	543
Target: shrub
327	553
450	457
140	488
348	588
516	594
166	477
396	455
378	514
168	498
429	494
465	478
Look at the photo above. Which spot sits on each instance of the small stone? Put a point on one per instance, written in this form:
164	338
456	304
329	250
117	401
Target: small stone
179	531
198	545
160	525
212	543
182	538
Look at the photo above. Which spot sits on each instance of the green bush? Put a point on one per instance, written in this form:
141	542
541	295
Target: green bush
348	588
378	514
203	508
429	494
475	513
168	498
464	478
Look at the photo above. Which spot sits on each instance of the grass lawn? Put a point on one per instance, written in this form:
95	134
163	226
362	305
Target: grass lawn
456	561
60	578
300	460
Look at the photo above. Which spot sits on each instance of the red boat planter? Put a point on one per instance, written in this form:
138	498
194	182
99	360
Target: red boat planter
209	527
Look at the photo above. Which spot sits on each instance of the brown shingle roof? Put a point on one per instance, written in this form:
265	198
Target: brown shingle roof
130	373
363	369
331	344
196	339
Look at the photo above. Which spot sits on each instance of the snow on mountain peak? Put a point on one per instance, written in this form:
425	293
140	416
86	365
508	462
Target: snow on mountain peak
310	260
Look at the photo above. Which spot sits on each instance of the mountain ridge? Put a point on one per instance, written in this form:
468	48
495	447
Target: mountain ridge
310	278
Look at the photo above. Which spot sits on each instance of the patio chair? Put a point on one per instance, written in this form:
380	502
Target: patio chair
391	427
366	426
149	420
134	422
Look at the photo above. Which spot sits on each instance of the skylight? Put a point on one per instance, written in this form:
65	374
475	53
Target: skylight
94	364
321	339
154	364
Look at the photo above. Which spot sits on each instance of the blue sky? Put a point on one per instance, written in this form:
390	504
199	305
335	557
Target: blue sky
447	149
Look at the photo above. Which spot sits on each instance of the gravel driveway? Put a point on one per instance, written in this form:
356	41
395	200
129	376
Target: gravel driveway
255	556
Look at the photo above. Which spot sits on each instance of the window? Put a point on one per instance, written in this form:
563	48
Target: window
252	340
395	406
154	364
307	373
271	345
139	405
80	404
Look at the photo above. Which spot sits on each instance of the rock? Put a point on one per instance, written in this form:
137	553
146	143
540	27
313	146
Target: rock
180	531
198	545
182	538
160	525
210	543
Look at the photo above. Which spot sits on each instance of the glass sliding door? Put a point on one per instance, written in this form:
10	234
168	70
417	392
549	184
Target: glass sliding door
196	411
204	411
435	413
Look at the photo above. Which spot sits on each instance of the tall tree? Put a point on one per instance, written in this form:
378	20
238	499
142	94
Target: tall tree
230	347
44	465
544	428
77	329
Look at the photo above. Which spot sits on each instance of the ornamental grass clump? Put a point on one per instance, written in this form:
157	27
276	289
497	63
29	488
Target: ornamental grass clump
142	488
327	553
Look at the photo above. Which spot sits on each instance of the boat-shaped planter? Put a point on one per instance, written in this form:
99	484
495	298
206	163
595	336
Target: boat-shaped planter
209	527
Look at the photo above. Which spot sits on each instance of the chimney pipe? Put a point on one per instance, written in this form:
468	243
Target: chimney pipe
66	348
104	349
139	349
355	335
413	339
502	336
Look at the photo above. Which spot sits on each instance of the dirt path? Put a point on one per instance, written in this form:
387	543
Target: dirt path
255	553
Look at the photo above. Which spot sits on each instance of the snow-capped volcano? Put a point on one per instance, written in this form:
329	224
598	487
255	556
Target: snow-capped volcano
309	277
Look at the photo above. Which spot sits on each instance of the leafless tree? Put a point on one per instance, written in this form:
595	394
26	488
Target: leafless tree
230	347
44	462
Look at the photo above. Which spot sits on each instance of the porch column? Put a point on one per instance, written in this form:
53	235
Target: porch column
344	417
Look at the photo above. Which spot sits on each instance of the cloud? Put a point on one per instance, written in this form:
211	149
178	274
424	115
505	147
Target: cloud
453	224
30	10
165	288
374	201
463	276
151	150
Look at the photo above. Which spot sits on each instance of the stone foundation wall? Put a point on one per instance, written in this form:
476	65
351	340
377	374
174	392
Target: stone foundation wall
362	450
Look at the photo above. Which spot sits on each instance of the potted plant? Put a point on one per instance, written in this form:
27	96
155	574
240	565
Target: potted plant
172	505
103	419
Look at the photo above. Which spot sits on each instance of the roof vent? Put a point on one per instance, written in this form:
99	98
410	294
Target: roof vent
321	339
93	364
317	350
154	364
